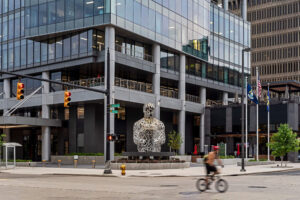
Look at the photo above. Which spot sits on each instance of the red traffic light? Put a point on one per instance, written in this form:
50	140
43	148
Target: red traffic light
112	137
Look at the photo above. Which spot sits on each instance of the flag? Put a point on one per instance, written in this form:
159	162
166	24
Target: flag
251	94
268	101
258	86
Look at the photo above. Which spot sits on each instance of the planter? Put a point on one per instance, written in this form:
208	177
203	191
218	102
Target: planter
230	161
254	163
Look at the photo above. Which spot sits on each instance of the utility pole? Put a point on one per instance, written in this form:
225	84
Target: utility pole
107	169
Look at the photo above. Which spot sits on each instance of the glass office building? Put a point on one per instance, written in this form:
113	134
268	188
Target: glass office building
179	54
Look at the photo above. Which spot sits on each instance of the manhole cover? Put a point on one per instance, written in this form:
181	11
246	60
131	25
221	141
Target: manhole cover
256	186
168	185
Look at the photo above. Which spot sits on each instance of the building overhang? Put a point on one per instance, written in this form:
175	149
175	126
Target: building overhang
281	86
21	122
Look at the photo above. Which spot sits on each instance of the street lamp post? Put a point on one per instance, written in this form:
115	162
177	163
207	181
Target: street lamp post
243	111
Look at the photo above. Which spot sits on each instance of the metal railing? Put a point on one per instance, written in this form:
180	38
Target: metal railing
192	98
89	82
136	54
169	92
133	85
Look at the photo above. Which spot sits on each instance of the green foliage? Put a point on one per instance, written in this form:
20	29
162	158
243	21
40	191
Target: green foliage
85	154
284	141
174	140
2	136
227	157
261	159
222	149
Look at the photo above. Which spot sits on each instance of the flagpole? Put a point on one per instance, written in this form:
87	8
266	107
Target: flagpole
257	140
246	124
268	123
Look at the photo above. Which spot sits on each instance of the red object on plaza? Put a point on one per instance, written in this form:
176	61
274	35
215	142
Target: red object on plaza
195	150
238	149
216	148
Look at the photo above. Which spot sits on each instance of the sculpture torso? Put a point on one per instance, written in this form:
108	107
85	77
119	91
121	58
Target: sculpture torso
149	134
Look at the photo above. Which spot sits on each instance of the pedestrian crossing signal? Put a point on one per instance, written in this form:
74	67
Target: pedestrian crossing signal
20	91
67	99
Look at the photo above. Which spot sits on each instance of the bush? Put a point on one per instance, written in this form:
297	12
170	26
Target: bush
227	157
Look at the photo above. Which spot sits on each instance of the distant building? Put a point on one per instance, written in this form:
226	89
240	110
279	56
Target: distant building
275	38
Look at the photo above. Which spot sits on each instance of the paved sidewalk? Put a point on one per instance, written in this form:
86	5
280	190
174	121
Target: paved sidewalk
187	172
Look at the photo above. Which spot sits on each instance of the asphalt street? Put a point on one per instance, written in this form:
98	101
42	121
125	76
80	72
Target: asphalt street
273	186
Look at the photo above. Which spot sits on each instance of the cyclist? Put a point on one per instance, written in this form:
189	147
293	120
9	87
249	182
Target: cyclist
209	163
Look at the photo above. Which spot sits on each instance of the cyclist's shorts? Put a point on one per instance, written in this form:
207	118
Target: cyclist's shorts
210	168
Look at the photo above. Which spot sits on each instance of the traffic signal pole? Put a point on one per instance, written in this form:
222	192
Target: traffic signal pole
107	169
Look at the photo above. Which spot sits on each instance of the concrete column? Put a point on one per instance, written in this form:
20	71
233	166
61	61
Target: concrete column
225	4
202	118
228	126
225	98
286	93
181	122
244	9
73	129
6	96
46	141
156	78
292	115
110	43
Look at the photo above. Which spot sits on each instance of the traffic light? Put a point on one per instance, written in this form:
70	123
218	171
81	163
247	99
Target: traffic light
67	99
20	91
112	137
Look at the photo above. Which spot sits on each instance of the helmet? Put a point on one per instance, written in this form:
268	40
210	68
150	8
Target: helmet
215	148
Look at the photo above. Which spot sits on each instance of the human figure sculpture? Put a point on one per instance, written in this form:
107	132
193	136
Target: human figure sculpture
149	132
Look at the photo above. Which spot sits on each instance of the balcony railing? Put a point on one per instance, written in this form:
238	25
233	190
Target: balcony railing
90	82
169	92
136	54
133	85
192	98
129	84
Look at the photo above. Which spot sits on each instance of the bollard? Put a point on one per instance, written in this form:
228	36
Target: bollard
93	163
44	163
75	163
123	168
59	163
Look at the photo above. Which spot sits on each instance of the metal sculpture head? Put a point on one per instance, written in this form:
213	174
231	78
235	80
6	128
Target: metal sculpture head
149	110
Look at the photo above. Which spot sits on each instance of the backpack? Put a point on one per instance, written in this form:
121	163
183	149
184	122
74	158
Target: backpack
205	158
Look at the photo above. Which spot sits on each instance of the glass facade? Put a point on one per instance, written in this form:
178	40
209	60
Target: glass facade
229	35
196	27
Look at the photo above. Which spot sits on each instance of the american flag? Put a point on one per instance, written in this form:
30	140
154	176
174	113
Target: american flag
258	86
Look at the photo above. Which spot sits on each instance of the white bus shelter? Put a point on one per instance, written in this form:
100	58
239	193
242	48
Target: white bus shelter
7	146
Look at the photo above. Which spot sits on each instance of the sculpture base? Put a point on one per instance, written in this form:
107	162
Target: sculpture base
151	166
148	155
149	160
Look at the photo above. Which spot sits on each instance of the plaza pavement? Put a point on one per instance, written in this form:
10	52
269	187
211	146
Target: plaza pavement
194	171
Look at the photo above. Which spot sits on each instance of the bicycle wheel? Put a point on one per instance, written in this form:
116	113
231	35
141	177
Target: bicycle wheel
221	185
201	184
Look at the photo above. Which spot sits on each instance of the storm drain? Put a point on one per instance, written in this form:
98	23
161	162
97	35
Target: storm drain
254	186
188	193
168	185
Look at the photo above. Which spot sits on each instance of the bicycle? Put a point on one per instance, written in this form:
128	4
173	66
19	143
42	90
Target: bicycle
221	185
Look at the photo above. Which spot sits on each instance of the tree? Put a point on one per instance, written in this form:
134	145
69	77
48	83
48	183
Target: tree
174	140
1	144
283	142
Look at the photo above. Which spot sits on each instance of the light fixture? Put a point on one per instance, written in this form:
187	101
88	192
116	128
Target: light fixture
89	2
83	38
171	27
100	7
